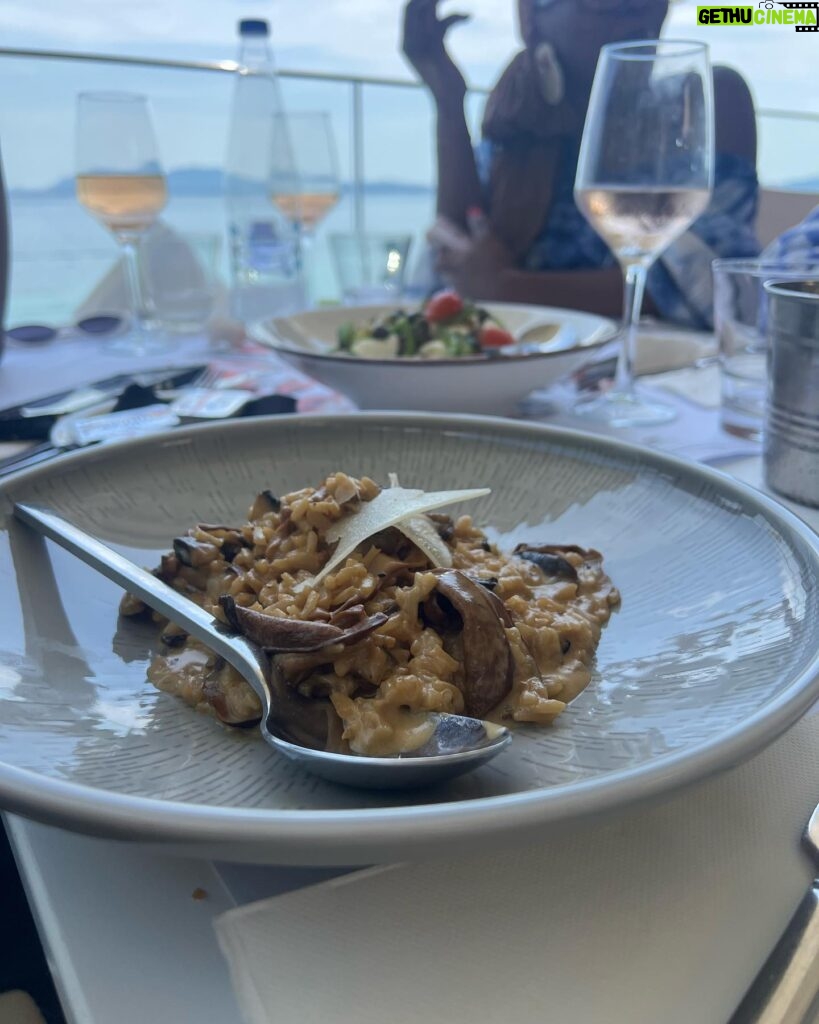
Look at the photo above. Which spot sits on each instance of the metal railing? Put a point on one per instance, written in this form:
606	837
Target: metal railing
356	84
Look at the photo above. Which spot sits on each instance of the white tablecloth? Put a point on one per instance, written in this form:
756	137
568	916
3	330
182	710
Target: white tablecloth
662	915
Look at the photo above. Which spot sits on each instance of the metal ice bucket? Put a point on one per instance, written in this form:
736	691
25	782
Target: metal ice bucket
791	445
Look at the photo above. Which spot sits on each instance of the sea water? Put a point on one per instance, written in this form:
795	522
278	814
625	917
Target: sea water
60	253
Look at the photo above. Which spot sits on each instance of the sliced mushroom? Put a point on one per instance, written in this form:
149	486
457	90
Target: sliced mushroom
231	698
309	722
173	635
265	503
130	605
232	543
501	610
488	583
194	553
278	634
389	569
487	658
169	566
549	558
344	618
443	524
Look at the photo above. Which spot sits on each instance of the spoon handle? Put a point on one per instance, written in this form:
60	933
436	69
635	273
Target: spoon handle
154	592
349	769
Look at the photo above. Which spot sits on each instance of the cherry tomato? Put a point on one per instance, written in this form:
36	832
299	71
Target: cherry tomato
492	336
443	306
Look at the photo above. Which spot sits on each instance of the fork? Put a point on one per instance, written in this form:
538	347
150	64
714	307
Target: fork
208	378
785	990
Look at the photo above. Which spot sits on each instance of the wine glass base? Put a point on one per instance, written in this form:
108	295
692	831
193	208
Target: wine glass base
129	345
624	409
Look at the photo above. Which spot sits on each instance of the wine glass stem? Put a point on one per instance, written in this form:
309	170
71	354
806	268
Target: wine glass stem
635	286
135	288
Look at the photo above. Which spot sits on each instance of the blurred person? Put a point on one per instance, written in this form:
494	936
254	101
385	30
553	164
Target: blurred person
533	244
799	244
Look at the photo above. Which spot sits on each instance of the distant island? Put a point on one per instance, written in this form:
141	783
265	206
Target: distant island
209	181
805	185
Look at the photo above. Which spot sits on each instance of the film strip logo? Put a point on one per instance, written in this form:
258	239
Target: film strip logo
812	5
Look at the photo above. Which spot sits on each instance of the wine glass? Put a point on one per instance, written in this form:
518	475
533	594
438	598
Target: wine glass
305	183
120	182
645	173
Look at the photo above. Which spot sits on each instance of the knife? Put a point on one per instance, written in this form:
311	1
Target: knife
30	457
786	989
264	405
33	420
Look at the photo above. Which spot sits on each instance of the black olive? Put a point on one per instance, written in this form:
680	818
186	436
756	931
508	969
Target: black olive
381	332
421	331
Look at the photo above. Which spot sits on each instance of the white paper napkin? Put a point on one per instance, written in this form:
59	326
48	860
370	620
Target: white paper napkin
703	386
661	347
661	915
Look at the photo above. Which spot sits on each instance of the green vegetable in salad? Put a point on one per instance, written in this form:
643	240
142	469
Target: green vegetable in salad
446	328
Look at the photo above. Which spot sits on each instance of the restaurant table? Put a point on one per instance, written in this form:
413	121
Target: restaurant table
129	935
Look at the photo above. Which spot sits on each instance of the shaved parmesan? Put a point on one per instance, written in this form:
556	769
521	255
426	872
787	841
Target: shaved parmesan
421	531
392	507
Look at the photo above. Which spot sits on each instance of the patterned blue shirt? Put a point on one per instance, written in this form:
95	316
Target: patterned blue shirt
799	244
680	282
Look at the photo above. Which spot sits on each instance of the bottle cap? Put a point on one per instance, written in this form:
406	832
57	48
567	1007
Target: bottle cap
254	27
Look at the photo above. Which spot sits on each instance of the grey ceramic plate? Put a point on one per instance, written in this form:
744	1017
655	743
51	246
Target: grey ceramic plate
713	654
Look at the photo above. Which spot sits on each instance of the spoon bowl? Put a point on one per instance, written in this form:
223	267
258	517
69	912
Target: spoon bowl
453	745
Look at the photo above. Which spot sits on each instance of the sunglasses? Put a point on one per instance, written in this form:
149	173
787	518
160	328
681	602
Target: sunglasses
94	326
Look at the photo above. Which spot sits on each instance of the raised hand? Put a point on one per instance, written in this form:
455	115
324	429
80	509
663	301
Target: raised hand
424	47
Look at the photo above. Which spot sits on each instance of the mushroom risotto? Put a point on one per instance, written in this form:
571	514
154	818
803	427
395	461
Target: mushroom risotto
376	608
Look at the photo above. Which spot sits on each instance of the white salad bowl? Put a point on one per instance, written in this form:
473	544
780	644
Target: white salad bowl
552	343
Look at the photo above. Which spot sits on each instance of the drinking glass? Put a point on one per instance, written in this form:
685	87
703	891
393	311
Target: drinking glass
179	274
304	174
645	173
371	268
120	182
741	322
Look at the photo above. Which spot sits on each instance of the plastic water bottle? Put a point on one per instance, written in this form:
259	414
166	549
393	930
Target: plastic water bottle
266	270
4	260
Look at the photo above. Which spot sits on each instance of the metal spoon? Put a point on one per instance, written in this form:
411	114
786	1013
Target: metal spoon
530	337
457	744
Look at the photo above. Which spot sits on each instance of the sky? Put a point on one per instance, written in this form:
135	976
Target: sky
343	36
